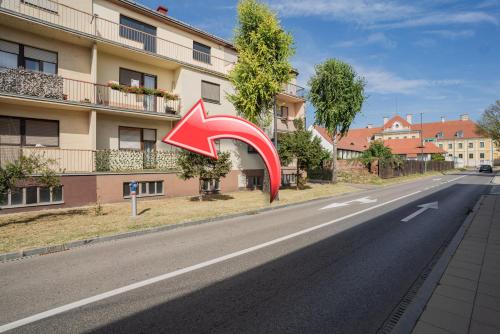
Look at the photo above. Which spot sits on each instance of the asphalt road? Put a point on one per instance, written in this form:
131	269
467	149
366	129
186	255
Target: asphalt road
301	269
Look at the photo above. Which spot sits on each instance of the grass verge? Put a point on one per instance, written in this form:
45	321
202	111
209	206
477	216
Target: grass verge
54	227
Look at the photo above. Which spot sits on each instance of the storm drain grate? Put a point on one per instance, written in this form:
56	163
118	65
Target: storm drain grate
400	309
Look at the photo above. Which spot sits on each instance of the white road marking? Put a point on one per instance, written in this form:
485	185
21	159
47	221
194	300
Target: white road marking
423	207
437	179
363	200
156	279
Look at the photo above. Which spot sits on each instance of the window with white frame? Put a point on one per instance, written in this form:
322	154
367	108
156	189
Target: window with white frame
211	185
144	189
32	196
481	144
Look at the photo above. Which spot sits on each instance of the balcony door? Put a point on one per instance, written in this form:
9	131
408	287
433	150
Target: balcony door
149	100
134	79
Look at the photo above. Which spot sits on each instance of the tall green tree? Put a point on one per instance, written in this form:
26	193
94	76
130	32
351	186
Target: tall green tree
303	148
193	165
337	94
489	124
378	151
263	66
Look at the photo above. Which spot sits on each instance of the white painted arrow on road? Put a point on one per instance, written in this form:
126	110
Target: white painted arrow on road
363	200
423	207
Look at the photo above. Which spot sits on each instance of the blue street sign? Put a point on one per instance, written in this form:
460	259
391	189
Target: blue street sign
133	187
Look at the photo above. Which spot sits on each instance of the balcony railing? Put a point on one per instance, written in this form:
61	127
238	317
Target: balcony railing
294	90
88	161
53	87
285	125
60	15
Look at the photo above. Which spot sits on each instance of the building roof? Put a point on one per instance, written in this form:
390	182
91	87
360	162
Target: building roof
352	143
395	119
449	129
411	147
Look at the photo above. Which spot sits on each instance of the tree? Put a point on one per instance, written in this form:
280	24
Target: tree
337	94
27	169
301	146
206	169
378	151
263	67
489	124
437	157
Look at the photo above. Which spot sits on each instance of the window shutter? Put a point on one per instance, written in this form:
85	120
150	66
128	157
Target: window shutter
149	134
210	91
10	131
130	138
38	54
9	47
42	133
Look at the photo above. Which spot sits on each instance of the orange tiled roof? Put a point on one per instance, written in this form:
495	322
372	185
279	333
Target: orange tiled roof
395	119
356	140
411	147
448	129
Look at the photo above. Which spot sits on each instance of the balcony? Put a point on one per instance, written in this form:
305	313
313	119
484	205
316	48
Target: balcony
88	161
37	85
294	90
285	125
92	26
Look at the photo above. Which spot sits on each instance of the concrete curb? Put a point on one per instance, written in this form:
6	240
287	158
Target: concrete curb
79	243
411	315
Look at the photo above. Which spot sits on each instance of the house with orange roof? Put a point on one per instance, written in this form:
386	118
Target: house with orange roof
458	140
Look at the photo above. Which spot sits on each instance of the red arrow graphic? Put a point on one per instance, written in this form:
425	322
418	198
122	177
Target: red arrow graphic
196	132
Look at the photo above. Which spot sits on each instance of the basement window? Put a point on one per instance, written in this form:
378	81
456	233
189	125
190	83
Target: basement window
31	196
145	189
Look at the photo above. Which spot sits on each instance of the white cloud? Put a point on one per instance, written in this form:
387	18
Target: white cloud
382	13
378	38
452	34
383	82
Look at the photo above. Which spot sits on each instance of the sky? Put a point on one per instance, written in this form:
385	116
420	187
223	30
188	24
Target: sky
436	57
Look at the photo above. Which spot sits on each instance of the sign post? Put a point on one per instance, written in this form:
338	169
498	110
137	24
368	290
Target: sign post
133	195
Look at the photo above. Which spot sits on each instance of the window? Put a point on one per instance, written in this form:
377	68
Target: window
460	145
439	135
251	149
139	32
471	156
471	145
254	182
450	146
389	138
211	185
29	132
47	5
136	79
145	189
136	138
13	55
481	144
441	146
460	155
405	137
282	112
413	137
287	179
32	196
210	92
459	134
40	60
201	52
481	155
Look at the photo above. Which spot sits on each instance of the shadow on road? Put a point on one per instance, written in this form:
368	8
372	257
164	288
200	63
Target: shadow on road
346	283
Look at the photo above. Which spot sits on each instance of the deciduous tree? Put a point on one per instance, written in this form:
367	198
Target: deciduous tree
489	124
263	66
337	94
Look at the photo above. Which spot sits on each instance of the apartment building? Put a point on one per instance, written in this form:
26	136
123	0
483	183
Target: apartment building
94	85
457	140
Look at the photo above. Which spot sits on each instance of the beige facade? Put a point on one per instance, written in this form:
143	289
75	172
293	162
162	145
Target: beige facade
91	48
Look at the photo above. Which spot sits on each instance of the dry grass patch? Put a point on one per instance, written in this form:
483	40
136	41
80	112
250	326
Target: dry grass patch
45	228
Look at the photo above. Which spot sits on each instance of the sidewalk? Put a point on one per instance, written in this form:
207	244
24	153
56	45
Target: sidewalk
467	298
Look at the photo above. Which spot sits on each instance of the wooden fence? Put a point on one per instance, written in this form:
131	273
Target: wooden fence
414	167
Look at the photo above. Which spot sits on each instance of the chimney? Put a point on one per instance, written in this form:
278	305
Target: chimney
162	10
464	117
409	118
442	119
369	126
386	119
